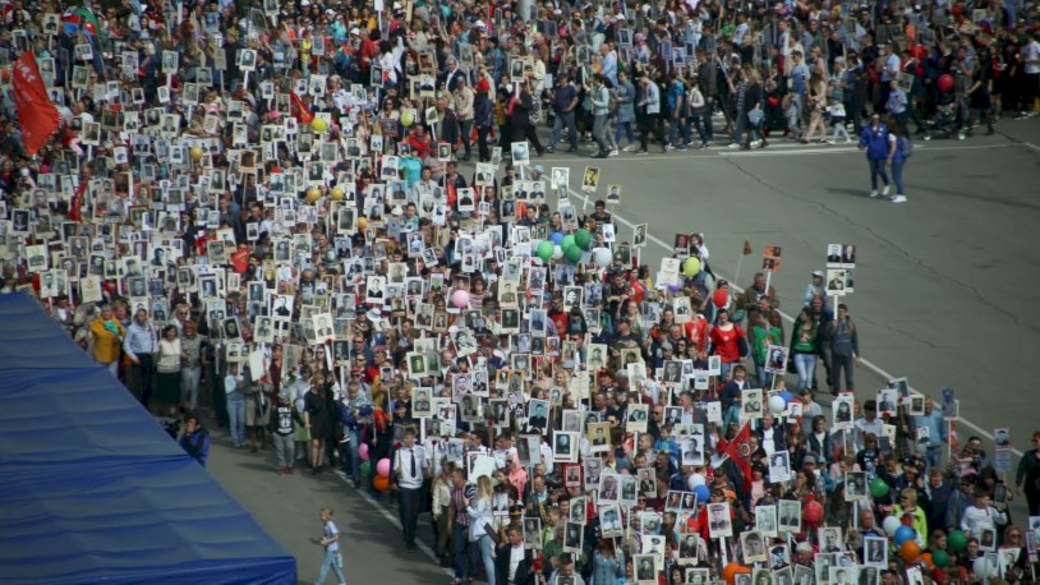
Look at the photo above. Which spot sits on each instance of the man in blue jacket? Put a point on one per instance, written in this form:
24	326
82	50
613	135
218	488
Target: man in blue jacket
874	139
195	440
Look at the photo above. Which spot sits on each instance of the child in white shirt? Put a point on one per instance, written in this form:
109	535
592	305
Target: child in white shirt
836	110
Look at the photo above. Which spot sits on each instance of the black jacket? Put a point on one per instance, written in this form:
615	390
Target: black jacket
524	571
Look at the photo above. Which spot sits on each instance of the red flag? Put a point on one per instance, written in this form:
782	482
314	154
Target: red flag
739	450
38	116
301	111
77	201
747	247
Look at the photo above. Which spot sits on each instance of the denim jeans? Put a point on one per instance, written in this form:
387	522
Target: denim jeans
897	176
763	376
466	554
284	449
805	363
738	126
237	416
699	123
355	459
190	386
877	167
838	364
333	560
564	119
485	554
629	133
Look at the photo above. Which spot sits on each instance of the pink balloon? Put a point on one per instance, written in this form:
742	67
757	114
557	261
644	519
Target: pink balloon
362	451
383	467
460	299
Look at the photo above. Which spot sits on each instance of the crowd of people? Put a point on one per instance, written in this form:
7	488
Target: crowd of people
254	213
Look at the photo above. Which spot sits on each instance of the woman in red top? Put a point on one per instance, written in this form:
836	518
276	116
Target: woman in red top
725	342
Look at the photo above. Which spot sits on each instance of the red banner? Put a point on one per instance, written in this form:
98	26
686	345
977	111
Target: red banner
739	450
38	116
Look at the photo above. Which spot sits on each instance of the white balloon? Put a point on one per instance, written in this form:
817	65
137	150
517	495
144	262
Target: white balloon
557	252
983	568
603	257
695	480
891	524
777	404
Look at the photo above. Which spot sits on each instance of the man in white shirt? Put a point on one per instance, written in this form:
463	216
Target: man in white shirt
513	563
409	473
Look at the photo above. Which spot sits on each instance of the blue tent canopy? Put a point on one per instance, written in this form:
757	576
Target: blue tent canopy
93	490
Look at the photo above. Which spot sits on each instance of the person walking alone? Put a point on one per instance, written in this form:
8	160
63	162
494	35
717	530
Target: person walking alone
329	540
874	139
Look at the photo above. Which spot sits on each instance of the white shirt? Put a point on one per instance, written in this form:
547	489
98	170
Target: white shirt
406	479
1032	53
516	556
330	532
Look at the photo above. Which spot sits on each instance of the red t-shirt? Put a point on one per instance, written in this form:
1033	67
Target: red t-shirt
726	343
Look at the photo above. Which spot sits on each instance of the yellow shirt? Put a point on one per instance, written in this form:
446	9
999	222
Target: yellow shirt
106	345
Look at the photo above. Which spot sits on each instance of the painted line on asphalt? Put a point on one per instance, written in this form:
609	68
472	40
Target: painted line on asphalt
871	366
394	521
846	150
1033	146
782	149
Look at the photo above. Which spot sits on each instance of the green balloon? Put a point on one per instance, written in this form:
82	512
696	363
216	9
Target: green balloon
545	250
568	242
366	468
583	238
878	488
957	541
573	254
941	558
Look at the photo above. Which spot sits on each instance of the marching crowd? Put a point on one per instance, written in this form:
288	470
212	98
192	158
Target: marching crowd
258	208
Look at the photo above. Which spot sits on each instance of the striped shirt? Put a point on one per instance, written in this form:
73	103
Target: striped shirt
457	497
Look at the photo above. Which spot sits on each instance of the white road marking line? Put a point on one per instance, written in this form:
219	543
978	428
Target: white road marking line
789	149
876	369
394	521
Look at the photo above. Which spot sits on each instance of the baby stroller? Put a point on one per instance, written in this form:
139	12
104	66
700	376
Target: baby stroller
944	124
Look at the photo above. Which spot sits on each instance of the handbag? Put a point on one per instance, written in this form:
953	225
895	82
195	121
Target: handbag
755	116
489	529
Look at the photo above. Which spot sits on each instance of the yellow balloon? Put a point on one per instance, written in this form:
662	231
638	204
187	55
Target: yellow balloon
362	222
196	153
319	125
692	267
407	118
313	194
337	194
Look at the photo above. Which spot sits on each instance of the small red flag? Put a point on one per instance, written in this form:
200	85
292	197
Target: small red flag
747	247
739	450
38	116
301	112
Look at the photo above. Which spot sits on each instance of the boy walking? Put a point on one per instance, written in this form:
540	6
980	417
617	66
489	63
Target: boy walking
330	541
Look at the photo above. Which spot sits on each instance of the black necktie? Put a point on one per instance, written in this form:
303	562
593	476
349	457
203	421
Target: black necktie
412	451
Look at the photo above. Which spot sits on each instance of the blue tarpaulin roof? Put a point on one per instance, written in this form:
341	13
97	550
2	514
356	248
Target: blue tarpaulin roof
93	490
